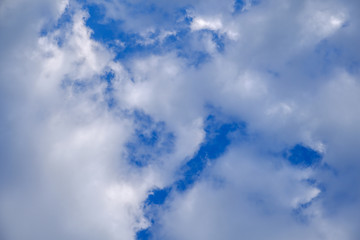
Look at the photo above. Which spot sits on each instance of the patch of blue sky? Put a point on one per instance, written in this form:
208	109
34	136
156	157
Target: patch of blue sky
144	234
239	5
158	196
103	31
243	5
65	19
302	156
154	202
218	138
219	40
216	142
127	44
150	140
109	90
107	29
110	33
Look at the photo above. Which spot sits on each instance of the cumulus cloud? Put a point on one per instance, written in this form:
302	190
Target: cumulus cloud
90	129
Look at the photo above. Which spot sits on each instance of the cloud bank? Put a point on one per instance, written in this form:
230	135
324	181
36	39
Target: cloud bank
179	119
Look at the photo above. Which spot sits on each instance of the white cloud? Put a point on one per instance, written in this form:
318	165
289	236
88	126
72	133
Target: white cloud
71	146
320	21
199	23
65	176
247	196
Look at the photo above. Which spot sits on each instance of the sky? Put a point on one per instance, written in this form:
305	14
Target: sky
179	120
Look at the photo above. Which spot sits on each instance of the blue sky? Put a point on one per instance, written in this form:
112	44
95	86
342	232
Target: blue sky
172	120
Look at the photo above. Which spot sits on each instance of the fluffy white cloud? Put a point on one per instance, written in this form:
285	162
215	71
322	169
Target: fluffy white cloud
288	69
63	172
248	196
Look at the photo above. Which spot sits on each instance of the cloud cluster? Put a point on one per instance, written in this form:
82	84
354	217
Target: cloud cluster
90	126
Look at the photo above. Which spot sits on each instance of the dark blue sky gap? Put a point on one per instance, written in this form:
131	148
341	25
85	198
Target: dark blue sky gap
302	156
216	142
108	78
240	4
107	31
